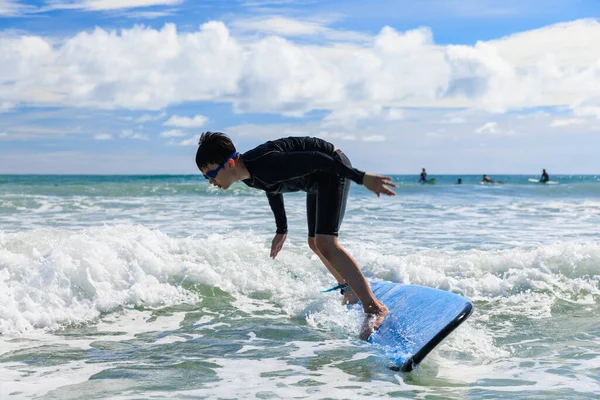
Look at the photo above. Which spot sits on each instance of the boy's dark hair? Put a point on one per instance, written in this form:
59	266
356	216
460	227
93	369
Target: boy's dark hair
213	148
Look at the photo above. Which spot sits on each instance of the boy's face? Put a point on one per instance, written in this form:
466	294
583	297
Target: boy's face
225	176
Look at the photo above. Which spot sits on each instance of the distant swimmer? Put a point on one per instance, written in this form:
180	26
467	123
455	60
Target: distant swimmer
423	177
545	179
459	181
487	179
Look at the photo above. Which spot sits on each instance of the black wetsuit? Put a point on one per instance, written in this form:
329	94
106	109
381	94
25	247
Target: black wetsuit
545	177
304	164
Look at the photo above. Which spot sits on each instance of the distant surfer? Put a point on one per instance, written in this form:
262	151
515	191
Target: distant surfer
323	171
459	181
423	177
545	177
487	179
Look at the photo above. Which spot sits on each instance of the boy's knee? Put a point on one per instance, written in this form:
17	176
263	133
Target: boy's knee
326	245
312	244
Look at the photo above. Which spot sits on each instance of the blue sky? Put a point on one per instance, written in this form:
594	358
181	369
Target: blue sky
127	86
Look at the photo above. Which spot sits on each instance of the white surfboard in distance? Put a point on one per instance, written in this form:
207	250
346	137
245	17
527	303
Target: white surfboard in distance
534	180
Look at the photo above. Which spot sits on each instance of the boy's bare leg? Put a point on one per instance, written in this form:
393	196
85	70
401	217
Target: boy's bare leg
313	247
349	296
348	269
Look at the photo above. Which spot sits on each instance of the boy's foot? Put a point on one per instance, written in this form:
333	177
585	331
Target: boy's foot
350	298
373	322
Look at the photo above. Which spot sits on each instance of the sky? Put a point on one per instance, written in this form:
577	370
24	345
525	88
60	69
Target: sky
454	86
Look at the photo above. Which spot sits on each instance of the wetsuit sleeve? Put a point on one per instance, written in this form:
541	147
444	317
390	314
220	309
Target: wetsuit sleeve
284	166
276	203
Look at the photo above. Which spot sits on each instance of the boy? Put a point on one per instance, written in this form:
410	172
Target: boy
324	172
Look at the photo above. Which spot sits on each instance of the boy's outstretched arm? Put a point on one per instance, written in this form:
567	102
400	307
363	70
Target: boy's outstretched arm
379	184
282	166
279	166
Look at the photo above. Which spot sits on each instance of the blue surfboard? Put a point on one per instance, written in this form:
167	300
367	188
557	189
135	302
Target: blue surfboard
419	319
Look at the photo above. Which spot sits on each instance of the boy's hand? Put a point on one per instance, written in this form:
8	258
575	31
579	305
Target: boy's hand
277	244
379	184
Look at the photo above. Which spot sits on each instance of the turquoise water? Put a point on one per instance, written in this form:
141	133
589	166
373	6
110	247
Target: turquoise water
161	286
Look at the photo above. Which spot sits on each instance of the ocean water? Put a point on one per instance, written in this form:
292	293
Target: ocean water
137	287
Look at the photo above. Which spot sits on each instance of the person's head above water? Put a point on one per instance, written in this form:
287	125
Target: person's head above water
216	159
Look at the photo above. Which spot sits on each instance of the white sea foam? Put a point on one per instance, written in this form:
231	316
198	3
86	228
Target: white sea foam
52	278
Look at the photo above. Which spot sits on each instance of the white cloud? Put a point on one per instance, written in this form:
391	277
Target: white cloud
374	138
129	134
24	131
102	5
103	136
263	3
552	66
587	111
534	115
189	142
406	148
480	8
81	162
93	69
338	136
150	117
11	8
6	106
172	133
454	120
520	144
556	123
149	14
3	134
349	116
394	114
280	26
492	128
186	122
186	142
489	127
287	27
